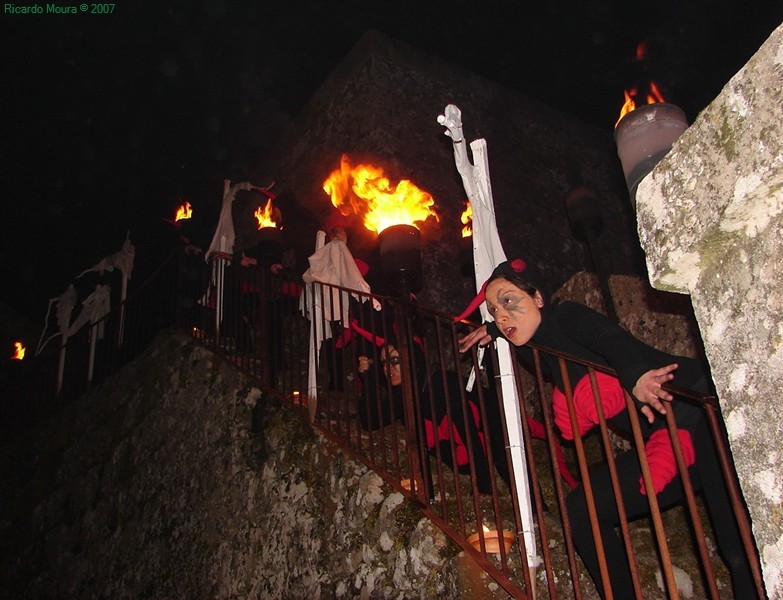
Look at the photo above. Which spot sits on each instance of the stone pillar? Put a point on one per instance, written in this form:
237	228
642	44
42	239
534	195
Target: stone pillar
710	221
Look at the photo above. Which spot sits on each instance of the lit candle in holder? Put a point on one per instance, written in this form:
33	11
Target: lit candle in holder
491	540
644	136
298	399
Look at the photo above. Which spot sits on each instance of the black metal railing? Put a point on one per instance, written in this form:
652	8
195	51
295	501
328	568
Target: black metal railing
69	365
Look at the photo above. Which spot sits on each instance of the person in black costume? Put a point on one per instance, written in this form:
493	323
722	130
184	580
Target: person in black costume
521	314
381	403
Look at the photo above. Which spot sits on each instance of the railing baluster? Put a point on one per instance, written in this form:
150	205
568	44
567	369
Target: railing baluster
277	339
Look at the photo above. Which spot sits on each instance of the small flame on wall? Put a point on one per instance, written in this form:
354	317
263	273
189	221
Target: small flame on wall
19	351
364	190
185	211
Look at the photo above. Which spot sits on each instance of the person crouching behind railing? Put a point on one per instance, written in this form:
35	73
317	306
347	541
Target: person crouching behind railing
381	404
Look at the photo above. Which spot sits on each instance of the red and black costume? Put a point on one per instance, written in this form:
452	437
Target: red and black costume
440	403
583	333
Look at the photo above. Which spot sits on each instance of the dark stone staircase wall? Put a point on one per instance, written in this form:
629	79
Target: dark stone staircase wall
156	485
381	105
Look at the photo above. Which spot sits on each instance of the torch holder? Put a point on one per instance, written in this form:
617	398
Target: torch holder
400	249
644	136
269	246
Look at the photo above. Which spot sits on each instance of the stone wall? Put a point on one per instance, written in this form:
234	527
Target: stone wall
711	223
381	106
178	479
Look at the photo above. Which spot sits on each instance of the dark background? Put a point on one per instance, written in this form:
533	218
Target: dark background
110	121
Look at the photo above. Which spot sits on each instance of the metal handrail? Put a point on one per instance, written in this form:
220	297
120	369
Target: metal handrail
446	450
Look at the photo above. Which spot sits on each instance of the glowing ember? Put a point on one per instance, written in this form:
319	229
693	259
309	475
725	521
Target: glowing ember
363	190
641	51
654	95
19	351
185	211
267	216
467	221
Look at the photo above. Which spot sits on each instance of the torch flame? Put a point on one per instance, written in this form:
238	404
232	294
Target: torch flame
653	96
184	212
266	216
467	220
19	351
365	191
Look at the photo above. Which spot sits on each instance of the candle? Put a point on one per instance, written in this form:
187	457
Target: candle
491	540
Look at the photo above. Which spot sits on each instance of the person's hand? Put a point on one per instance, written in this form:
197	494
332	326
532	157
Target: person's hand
648	390
248	261
479	336
276	268
364	364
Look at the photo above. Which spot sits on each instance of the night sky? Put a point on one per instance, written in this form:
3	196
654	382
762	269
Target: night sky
109	119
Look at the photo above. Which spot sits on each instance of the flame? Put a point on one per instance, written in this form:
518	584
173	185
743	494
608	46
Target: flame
19	351
266	216
467	220
653	96
365	191
184	212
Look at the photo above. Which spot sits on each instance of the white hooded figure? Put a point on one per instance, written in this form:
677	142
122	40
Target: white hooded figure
122	260
96	306
332	263
487	253
64	305
224	237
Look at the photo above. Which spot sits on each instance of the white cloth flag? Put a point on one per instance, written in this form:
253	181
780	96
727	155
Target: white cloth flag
223	239
487	254
332	264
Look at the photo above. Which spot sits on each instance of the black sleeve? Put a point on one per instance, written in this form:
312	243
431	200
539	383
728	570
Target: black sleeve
630	357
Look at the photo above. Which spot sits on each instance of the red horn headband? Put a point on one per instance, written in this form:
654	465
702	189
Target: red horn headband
367	335
517	265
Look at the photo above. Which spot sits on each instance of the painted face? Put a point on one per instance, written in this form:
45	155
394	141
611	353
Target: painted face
390	360
517	313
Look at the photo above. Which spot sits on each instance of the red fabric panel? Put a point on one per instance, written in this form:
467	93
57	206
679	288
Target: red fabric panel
612	400
660	456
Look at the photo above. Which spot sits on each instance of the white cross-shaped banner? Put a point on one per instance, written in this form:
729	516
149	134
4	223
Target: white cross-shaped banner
487	254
